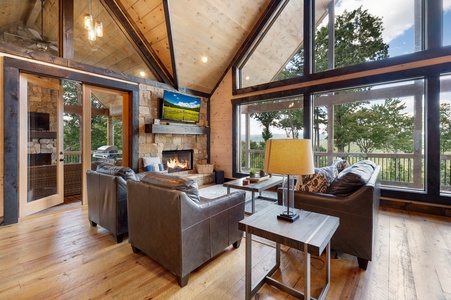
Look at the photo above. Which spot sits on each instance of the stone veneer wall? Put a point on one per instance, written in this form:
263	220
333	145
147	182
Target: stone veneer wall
42	99
153	144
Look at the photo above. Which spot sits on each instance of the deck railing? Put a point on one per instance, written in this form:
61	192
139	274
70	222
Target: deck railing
397	170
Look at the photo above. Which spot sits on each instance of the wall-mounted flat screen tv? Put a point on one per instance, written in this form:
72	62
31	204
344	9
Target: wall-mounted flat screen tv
39	121
180	108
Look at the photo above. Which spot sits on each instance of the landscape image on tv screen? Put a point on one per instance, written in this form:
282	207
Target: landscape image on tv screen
179	107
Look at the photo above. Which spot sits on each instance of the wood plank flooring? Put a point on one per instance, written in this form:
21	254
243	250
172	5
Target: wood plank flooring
57	255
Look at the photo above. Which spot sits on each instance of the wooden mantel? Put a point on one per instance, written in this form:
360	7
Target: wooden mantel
175	129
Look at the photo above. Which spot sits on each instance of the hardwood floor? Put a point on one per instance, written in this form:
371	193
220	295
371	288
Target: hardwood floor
57	255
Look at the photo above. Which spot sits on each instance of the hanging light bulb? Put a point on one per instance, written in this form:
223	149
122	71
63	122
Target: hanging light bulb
99	25
88	21
92	34
99	28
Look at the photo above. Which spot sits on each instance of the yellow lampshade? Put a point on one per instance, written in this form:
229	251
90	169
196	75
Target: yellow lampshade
289	156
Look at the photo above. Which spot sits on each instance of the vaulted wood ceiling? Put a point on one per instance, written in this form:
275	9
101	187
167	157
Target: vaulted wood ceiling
165	40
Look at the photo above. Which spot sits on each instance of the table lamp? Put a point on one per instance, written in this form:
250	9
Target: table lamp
289	157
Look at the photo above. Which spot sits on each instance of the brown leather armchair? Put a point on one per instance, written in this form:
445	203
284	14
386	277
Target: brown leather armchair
107	198
179	232
358	213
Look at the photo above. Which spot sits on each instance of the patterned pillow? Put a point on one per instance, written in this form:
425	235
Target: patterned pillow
317	182
340	164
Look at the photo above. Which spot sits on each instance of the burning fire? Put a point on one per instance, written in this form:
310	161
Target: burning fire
175	164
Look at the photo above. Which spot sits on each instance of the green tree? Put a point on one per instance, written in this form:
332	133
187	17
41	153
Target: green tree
445	128
292	122
395	126
319	118
71	122
358	39
345	127
267	119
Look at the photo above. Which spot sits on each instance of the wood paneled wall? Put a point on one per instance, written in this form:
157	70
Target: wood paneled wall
221	126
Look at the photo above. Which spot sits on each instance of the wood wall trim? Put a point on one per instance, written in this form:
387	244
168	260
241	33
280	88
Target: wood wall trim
11	145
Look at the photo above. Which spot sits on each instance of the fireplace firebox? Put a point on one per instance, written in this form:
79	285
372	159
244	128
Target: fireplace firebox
177	160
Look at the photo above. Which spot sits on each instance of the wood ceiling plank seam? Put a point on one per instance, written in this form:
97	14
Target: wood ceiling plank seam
247	13
157	34
129	29
151	20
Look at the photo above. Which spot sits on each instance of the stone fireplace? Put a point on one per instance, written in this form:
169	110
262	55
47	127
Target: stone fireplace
177	160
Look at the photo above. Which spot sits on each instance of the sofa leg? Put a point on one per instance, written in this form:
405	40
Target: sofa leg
363	263
136	250
182	281
237	244
119	238
93	224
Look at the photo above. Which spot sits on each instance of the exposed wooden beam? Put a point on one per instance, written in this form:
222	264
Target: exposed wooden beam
33	13
138	41
66	32
167	16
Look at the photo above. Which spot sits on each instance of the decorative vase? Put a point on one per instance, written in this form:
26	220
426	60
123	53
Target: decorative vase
262	173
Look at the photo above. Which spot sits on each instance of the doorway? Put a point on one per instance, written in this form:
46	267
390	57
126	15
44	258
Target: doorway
40	144
65	124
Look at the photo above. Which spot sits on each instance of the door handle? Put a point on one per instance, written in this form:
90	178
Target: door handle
61	159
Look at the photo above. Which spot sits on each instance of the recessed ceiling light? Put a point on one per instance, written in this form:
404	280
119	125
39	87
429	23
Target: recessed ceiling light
247	78
204	59
142	73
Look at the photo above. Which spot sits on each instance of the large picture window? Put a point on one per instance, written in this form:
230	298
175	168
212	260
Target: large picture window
445	134
382	123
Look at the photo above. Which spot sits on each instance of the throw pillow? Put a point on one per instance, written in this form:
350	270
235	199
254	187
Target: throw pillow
351	179
186	185
317	182
340	164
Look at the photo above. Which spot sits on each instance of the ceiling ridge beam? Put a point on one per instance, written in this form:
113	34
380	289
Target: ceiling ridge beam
253	39
138	41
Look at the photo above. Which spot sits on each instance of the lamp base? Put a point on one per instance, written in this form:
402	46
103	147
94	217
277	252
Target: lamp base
288	216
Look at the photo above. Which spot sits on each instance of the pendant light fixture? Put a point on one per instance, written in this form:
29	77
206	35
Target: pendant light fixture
99	25
88	18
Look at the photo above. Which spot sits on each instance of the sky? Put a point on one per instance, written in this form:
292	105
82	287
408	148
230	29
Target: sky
182	100
397	17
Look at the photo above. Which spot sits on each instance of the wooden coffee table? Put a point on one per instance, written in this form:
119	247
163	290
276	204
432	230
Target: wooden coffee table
311	233
257	187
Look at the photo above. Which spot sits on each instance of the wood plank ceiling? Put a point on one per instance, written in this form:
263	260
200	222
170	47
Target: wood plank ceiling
165	40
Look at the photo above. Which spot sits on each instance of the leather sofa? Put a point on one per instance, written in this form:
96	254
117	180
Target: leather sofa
176	227
107	198
357	206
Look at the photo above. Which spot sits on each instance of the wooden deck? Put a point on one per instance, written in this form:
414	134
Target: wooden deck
57	255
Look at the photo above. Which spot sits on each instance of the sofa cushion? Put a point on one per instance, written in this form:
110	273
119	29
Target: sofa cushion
340	164
351	178
186	185
125	172
317	182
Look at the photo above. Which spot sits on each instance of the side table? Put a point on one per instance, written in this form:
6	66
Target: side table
311	233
